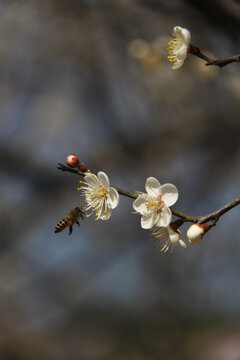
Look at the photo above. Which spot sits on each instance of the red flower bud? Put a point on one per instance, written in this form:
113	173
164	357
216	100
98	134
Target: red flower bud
72	160
82	167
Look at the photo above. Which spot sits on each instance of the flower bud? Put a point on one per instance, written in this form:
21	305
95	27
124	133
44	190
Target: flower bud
72	160
82	167
195	233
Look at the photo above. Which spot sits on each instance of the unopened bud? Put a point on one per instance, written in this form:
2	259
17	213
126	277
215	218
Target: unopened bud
82	167
196	232
72	160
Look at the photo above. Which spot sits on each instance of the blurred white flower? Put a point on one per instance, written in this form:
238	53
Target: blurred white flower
101	198
154	206
195	233
168	237
178	46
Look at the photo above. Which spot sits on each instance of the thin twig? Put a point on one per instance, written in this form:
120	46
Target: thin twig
194	50
211	218
218	213
185	217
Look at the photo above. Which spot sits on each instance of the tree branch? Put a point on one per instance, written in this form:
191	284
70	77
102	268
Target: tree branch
218	213
212	217
194	50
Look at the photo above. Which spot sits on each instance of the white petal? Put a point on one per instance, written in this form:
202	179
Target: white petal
177	29
181	54
152	187
177	65
105	215
174	238
104	211
187	36
103	178
113	198
165	217
91	180
147	221
139	204
169	194
180	32
182	243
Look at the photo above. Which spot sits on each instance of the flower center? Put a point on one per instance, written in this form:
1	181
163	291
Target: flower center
155	204
174	45
101	192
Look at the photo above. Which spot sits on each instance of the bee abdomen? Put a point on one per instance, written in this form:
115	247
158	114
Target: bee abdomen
61	225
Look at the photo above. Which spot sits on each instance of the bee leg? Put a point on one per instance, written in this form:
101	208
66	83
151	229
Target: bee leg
70	230
77	223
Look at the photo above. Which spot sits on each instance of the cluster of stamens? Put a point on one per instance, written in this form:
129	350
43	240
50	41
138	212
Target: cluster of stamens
165	242
95	198
155	204
174	45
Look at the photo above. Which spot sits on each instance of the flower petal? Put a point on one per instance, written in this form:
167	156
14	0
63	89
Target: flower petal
92	180
139	204
182	243
169	194
187	36
165	217
174	238
105	215
181	54
113	198
103	178
152	187
184	33
178	65
147	221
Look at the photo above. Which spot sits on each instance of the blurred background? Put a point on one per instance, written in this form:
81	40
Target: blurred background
90	77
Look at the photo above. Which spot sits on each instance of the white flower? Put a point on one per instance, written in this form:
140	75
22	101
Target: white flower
168	237
100	197
178	46
195	233
154	206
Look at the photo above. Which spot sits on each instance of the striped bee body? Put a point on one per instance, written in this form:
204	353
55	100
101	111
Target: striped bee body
68	221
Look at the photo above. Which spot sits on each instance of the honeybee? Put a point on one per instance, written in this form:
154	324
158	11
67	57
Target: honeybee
72	218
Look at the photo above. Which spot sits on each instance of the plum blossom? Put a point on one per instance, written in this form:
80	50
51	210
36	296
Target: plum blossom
154	205
167	237
178	47
101	198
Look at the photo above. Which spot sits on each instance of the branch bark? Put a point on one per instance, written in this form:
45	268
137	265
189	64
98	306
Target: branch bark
194	50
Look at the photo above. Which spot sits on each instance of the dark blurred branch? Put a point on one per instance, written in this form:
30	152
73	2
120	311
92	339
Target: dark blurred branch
194	50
